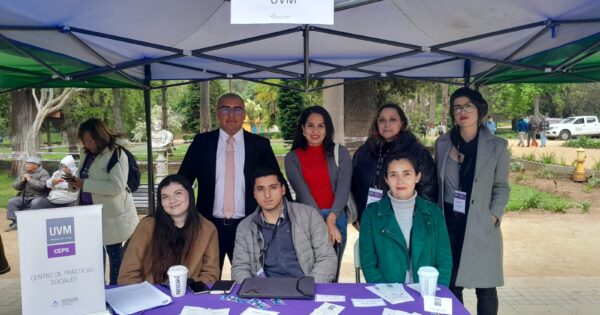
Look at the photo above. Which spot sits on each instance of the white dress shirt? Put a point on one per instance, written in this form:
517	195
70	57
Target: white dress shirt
239	183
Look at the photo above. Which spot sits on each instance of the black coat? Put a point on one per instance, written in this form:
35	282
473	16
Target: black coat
200	162
365	167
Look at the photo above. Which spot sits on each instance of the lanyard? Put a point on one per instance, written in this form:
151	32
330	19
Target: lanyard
460	159
263	252
380	160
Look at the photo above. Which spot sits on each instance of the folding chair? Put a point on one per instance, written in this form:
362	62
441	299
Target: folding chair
357	266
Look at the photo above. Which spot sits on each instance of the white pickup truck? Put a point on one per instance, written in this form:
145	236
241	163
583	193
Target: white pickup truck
575	126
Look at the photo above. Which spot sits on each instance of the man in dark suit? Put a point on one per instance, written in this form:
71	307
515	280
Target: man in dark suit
222	161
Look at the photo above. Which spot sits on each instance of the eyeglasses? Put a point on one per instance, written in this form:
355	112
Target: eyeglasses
467	108
237	111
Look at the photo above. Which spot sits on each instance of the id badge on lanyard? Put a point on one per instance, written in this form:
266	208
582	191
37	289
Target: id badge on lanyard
460	201
374	195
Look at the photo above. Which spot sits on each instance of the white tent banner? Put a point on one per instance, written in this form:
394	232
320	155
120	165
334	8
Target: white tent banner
61	260
282	12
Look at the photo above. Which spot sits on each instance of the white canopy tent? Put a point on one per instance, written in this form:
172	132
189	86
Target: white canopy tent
129	43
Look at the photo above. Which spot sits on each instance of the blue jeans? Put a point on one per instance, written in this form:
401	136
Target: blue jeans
342	224
543	137
114	260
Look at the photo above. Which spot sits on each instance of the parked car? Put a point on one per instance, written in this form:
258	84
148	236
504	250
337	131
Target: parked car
575	126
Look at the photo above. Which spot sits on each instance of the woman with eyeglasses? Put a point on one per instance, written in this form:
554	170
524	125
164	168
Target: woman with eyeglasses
389	135
175	235
473	176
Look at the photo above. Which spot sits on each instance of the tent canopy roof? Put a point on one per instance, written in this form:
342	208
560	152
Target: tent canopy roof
115	43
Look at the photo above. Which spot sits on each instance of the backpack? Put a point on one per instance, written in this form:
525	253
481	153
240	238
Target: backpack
134	175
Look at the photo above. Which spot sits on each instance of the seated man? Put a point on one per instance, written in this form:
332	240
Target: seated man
31	185
281	238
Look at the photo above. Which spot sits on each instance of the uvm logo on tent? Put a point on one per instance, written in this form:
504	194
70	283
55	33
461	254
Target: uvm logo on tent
60	235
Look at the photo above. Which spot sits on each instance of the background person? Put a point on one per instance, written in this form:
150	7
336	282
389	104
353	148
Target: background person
473	176
403	232
97	186
522	128
314	174
389	134
61	195
531	130
280	238
32	191
543	126
175	235
490	124
222	162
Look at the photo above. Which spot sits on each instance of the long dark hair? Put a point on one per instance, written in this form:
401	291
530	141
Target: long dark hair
299	138
165	249
374	130
102	135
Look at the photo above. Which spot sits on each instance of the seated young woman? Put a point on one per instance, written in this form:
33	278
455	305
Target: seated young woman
403	232
175	235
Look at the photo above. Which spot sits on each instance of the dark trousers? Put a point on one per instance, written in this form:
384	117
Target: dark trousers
487	298
114	260
4	267
226	229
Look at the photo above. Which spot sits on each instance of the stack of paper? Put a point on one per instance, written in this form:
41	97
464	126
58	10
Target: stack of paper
135	298
195	310
393	293
327	309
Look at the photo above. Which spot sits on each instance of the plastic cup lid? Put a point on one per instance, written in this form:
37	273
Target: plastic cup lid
177	270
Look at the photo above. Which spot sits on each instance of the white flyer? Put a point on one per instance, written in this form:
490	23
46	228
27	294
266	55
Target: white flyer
329	298
393	293
416	287
387	311
327	309
440	305
368	302
195	310
256	311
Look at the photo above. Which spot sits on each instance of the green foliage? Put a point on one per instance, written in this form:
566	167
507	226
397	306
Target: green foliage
175	123
529	156
596	165
266	96
591	184
582	142
585	206
187	103
4	114
545	173
291	105
548	158
523	197
516	167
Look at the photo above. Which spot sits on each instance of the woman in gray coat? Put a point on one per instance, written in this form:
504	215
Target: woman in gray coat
473	179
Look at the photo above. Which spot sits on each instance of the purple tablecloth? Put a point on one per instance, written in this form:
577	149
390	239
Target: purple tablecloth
350	290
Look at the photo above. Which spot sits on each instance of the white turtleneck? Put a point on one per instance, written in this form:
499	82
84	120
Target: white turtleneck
403	210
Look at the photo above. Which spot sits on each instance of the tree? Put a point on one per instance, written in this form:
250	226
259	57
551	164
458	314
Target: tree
266	96
291	105
188	104
29	110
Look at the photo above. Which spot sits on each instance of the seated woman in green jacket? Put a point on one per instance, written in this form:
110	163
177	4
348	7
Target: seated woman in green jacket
403	232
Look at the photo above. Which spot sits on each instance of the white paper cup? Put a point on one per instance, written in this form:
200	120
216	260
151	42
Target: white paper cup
428	280
178	280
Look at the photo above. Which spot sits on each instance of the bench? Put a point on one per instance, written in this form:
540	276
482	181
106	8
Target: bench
140	199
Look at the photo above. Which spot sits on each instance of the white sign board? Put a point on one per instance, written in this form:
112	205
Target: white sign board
61	260
282	12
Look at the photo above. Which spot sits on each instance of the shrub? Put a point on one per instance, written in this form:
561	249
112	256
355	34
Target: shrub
583	142
545	173
548	158
516	167
529	156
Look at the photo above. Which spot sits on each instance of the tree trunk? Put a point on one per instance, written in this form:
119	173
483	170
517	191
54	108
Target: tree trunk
23	113
333	101
444	104
432	107
423	102
361	101
117	110
536	106
205	120
49	135
165	109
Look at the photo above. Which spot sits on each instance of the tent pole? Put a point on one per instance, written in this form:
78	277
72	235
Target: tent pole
425	65
571	62
467	72
147	91
121	66
305	34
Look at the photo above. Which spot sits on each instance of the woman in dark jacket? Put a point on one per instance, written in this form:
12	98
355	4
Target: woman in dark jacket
389	135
